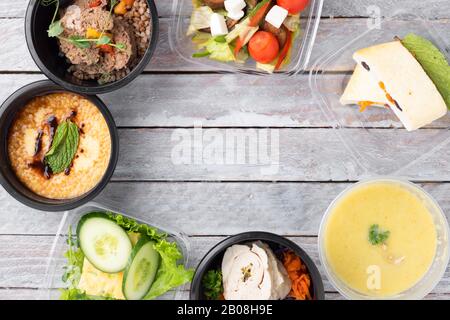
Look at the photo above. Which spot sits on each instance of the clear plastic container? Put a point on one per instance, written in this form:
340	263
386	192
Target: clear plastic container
300	53
376	150
56	261
441	258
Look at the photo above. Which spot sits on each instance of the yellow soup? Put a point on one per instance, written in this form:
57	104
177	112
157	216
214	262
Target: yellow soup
396	254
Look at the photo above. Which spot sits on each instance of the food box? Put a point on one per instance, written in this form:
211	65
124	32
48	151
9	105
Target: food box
376	150
301	50
57	261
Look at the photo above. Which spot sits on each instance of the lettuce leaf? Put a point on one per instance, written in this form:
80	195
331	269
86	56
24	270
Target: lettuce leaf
76	294
292	22
75	259
200	19
432	61
131	225
170	274
220	51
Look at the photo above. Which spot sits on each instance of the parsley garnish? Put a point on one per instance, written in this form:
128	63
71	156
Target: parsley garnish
377	236
212	284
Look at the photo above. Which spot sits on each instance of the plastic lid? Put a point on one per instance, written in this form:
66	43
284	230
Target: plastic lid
377	150
181	43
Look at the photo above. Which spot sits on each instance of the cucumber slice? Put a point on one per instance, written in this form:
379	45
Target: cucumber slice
141	270
105	244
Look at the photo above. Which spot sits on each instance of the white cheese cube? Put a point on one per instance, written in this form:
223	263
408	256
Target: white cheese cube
276	16
218	25
236	15
234	5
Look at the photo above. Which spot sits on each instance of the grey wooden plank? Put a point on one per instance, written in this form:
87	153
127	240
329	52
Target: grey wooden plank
349	8
302	155
13	9
226	100
25	267
333	34
40	294
207	208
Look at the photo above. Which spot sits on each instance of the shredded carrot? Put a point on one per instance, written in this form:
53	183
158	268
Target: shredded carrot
364	104
301	282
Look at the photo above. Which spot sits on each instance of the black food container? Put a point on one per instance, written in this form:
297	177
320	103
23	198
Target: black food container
45	51
8	178
213	260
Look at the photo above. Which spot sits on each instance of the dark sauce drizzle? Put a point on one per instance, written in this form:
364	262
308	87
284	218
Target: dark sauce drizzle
38	143
52	124
38	162
397	105
365	65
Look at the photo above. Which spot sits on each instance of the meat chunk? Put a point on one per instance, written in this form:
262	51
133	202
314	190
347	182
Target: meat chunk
75	55
71	18
215	4
280	33
123	34
77	20
120	59
96	18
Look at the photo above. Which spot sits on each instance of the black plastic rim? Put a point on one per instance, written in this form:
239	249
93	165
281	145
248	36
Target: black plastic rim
97	89
219	249
8	179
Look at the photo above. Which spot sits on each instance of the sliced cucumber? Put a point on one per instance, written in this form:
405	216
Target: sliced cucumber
105	244
141	270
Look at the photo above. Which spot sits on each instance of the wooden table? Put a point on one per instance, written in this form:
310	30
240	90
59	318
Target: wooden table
209	202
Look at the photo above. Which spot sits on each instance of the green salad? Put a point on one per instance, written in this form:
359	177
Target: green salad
244	30
114	257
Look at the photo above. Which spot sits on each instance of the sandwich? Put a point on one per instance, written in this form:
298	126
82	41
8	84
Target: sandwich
410	76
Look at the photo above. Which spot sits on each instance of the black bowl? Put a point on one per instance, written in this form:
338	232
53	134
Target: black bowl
8	178
213	260
45	52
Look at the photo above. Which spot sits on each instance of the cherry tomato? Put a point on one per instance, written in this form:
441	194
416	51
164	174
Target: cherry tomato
293	6
106	49
95	3
263	47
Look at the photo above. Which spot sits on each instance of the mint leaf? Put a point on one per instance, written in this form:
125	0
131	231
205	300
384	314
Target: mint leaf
103	40
377	236
432	61
64	147
55	29
120	46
